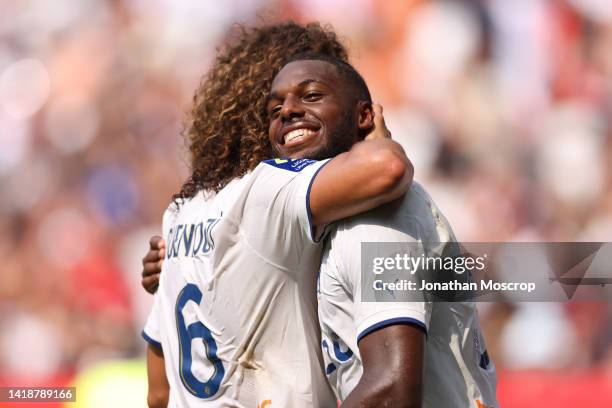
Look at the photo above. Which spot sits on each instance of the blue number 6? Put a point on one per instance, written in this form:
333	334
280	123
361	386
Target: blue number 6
194	331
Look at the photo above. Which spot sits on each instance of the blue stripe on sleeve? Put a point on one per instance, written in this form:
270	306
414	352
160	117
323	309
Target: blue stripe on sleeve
150	340
308	211
390	322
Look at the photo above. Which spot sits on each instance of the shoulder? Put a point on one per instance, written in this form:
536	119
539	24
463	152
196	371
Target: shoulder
413	216
431	217
291	165
285	170
173	210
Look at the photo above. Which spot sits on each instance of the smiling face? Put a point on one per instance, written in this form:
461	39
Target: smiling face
312	111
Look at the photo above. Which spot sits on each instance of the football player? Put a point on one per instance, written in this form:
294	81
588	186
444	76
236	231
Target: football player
413	354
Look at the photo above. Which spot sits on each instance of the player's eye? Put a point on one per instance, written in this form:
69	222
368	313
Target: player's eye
312	96
275	111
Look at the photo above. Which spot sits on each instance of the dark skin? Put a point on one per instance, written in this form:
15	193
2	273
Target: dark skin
152	264
311	95
392	376
157	396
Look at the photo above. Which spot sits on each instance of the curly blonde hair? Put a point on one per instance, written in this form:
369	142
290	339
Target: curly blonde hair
227	131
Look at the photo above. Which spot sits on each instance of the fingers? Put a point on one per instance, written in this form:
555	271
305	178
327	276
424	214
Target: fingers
150	283
151	268
379	119
157	242
152	263
157	250
153	256
380	127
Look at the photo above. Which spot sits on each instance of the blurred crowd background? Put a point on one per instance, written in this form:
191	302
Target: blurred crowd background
505	107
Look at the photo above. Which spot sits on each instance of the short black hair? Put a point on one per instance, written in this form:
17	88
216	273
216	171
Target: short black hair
346	71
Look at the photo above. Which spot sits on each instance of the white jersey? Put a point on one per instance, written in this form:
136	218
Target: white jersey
458	372
235	312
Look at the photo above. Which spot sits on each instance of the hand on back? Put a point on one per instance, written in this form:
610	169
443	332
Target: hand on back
152	263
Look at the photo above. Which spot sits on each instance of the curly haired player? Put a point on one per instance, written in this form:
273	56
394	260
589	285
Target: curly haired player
234	319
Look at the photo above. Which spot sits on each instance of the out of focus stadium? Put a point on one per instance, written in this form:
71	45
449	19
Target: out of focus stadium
505	108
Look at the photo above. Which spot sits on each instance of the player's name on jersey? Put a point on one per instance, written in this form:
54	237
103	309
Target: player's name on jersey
191	240
423	285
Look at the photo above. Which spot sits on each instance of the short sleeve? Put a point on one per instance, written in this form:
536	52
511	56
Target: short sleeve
151	332
292	200
372	316
277	210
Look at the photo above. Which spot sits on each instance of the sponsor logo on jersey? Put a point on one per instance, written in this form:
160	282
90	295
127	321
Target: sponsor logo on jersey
296	165
264	404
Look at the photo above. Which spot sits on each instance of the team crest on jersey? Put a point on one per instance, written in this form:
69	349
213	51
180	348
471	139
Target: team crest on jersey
296	165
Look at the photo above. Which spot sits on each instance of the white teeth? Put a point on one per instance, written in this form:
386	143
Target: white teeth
298	133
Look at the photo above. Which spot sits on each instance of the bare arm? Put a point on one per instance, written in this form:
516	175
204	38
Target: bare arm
371	173
392	369
159	389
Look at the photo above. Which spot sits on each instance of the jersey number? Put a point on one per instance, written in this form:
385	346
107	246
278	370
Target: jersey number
341	356
186	334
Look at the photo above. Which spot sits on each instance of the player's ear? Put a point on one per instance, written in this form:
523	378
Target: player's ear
365	119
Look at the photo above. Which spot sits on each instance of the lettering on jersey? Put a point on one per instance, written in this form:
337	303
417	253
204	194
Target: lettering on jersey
191	240
264	404
338	355
296	165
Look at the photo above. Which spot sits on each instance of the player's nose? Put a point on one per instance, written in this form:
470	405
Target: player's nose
291	108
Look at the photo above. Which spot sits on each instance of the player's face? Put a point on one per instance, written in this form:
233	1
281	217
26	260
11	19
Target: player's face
311	111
